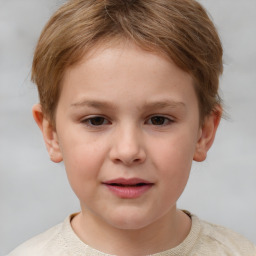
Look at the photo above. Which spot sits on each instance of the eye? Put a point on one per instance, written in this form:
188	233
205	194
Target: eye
95	121
159	120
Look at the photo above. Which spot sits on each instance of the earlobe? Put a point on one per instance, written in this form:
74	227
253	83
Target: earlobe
207	134
49	133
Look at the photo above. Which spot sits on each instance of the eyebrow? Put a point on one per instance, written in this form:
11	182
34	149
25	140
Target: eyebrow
148	105
93	104
164	104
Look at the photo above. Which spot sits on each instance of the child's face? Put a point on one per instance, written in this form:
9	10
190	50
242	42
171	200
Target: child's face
127	128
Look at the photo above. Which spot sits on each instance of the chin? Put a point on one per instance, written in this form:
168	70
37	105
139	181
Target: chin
130	220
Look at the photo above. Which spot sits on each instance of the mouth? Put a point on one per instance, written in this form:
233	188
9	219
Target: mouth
128	185
128	188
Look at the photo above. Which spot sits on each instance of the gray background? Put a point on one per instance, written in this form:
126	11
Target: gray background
34	193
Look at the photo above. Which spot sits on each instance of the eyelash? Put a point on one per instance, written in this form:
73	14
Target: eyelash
166	120
103	121
88	121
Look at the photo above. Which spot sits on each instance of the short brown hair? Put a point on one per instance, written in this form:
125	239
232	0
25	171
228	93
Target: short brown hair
181	29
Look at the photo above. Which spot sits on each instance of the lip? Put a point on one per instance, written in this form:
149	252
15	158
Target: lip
128	188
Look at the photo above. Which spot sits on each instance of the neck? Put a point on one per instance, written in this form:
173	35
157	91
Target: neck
165	233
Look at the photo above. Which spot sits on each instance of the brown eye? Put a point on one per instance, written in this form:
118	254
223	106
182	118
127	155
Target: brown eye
95	121
159	120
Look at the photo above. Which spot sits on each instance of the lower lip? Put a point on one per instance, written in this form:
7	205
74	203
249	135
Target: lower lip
129	192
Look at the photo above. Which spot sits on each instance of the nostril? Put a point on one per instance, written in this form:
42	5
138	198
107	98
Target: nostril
128	161
127	153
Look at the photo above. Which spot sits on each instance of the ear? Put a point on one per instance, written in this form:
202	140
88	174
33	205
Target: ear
207	134
49	133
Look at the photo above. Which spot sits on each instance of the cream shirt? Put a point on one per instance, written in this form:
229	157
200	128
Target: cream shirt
204	239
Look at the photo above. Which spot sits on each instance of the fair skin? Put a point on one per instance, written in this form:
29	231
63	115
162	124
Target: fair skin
126	116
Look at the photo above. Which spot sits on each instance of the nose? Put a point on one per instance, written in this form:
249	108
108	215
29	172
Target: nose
128	147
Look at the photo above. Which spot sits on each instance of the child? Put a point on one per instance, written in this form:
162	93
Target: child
128	99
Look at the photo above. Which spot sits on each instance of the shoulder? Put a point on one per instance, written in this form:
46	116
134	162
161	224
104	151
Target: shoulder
60	240
218	240
46	243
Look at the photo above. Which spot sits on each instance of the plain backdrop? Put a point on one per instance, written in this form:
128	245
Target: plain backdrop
35	194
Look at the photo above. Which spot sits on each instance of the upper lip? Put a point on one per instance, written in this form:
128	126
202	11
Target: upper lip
124	181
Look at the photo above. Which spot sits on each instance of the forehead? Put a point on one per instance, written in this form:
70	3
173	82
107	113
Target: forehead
125	70
122	55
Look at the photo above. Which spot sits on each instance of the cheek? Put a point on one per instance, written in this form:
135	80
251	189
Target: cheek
173	159
82	162
174	152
